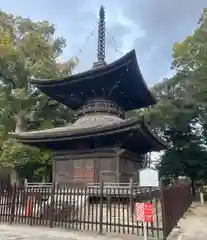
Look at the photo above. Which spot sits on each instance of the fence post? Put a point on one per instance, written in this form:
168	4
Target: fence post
101	208
201	192
164	218
130	197
53	191
13	201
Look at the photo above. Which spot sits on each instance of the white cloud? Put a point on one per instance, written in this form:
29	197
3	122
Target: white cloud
149	26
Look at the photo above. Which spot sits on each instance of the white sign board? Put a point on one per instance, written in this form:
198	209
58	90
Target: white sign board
148	177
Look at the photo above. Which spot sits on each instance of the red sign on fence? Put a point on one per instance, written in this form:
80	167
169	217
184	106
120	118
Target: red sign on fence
144	212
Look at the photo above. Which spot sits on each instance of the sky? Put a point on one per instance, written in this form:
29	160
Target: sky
151	27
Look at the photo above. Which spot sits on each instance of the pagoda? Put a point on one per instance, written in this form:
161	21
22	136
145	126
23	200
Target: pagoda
101	145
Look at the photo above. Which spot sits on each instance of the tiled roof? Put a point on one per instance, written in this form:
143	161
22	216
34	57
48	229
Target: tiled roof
87	124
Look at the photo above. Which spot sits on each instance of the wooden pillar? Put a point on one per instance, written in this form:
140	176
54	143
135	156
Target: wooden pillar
117	167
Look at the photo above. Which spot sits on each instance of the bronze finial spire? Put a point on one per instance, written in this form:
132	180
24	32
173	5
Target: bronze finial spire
101	35
101	39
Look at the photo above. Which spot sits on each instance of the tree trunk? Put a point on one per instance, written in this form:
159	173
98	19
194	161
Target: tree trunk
176	179
193	187
14	176
44	179
20	122
20	127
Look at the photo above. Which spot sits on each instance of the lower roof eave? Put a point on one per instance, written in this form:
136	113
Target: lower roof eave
159	143
24	139
135	126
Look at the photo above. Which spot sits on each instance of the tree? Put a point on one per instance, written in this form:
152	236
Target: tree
175	118
32	52
27	50
190	58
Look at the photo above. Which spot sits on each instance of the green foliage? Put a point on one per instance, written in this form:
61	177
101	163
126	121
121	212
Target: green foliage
180	115
15	154
38	167
28	50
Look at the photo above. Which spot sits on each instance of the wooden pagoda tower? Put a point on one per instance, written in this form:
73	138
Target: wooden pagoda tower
102	144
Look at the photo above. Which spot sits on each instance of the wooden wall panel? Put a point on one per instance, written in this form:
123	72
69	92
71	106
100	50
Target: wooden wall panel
63	171
89	166
129	164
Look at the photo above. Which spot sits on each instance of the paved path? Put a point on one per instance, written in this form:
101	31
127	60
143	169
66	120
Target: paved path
15	232
24	232
193	226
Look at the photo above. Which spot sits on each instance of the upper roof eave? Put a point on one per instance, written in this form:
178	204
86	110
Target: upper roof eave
94	73
130	56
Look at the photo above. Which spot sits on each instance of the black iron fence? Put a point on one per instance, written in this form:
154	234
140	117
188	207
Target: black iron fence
102	208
